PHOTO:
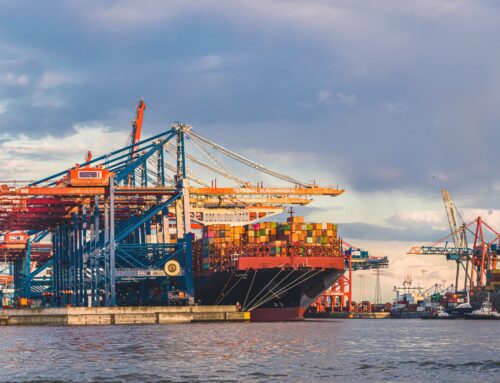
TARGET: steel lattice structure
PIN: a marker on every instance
(84, 230)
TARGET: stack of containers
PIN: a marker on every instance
(220, 241)
(493, 279)
(216, 243)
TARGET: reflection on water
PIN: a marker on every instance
(342, 350)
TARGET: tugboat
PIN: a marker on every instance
(487, 311)
(439, 313)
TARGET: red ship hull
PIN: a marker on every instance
(286, 314)
(269, 292)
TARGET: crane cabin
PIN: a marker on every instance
(89, 176)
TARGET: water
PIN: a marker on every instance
(333, 351)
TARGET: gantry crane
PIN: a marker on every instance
(105, 229)
(475, 261)
(340, 293)
(458, 233)
(244, 202)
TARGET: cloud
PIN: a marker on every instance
(51, 80)
(24, 157)
(326, 97)
(411, 218)
(209, 62)
(122, 16)
(3, 106)
(11, 79)
(436, 269)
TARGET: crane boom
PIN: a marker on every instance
(135, 137)
(268, 191)
(452, 215)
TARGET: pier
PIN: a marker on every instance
(69, 316)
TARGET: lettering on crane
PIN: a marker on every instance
(265, 190)
(89, 174)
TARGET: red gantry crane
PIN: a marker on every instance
(475, 261)
(339, 296)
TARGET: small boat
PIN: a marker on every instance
(439, 313)
(487, 311)
(460, 310)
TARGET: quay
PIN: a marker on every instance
(69, 316)
(354, 315)
(377, 315)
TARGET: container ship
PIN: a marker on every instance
(274, 270)
(411, 302)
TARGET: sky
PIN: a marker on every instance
(390, 100)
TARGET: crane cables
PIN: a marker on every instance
(191, 174)
(171, 149)
(221, 168)
(246, 161)
(214, 160)
(209, 167)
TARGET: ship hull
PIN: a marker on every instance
(405, 314)
(481, 317)
(460, 312)
(271, 294)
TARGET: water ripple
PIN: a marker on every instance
(313, 351)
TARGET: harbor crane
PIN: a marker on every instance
(340, 293)
(458, 232)
(473, 261)
(109, 218)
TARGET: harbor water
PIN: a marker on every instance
(319, 350)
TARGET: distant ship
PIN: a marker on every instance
(408, 301)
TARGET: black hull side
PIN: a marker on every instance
(404, 314)
(460, 313)
(272, 294)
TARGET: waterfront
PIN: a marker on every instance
(329, 350)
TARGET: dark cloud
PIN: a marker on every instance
(394, 97)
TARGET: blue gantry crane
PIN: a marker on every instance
(102, 231)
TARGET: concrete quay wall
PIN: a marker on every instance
(121, 315)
